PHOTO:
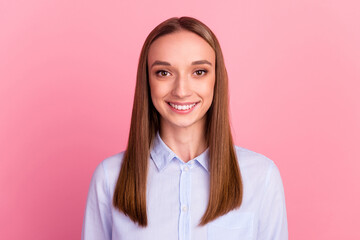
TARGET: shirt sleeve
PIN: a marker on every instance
(272, 217)
(97, 223)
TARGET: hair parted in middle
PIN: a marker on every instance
(226, 189)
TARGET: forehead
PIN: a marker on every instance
(180, 47)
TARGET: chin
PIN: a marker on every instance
(185, 124)
(182, 125)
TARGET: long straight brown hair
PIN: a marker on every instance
(226, 188)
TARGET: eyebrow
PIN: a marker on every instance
(201, 62)
(163, 63)
(157, 62)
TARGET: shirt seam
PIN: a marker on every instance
(267, 183)
(106, 182)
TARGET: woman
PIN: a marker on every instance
(181, 177)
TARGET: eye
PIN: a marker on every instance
(200, 72)
(162, 73)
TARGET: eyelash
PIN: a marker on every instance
(158, 73)
(203, 72)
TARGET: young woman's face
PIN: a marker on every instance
(181, 68)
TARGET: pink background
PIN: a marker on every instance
(67, 75)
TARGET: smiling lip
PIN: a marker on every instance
(185, 107)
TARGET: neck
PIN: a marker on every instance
(186, 143)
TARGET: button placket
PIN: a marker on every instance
(185, 191)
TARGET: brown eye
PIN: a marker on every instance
(162, 73)
(200, 72)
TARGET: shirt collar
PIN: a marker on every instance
(162, 155)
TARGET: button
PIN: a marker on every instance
(184, 208)
(186, 168)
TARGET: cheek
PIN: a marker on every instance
(207, 90)
(157, 93)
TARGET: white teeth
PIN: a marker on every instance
(182, 107)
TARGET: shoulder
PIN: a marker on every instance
(263, 193)
(112, 165)
(248, 158)
(107, 171)
(255, 167)
(113, 161)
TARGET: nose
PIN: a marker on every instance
(182, 87)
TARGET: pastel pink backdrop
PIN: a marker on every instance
(67, 75)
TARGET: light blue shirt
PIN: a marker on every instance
(177, 197)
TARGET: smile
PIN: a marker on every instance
(182, 107)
